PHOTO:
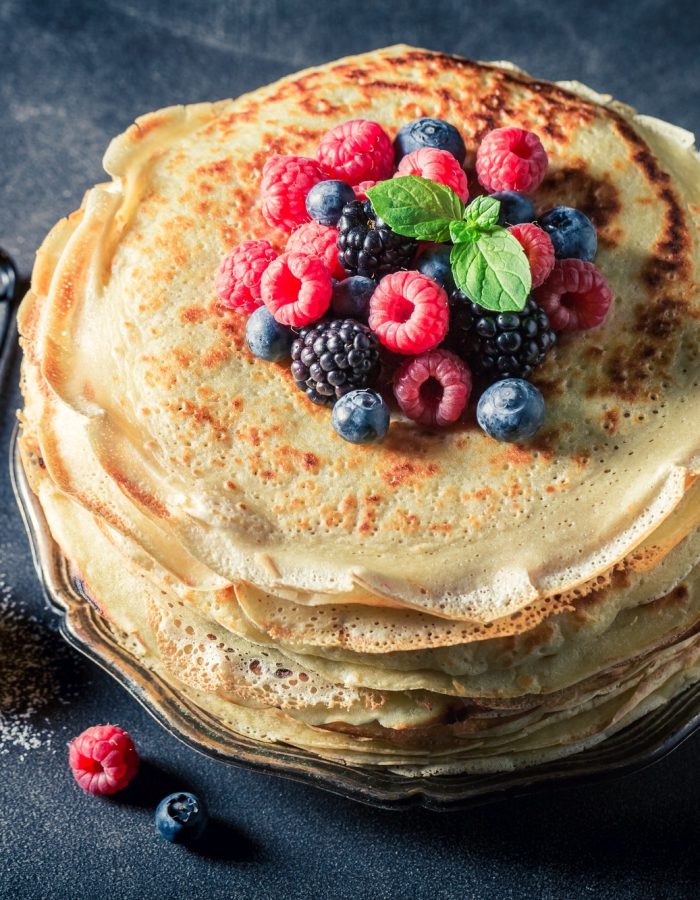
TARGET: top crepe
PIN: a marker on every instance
(222, 451)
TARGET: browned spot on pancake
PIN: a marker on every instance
(237, 403)
(136, 492)
(203, 415)
(373, 498)
(404, 522)
(310, 462)
(634, 368)
(217, 354)
(670, 260)
(405, 473)
(518, 456)
(183, 357)
(440, 527)
(611, 419)
(221, 170)
(147, 124)
(318, 106)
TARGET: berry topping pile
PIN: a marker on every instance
(103, 759)
(389, 268)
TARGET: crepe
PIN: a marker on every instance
(438, 602)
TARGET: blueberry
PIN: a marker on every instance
(572, 233)
(429, 132)
(351, 297)
(325, 201)
(361, 417)
(510, 410)
(266, 338)
(181, 818)
(516, 208)
(8, 276)
(435, 263)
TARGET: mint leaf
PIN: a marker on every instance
(460, 232)
(493, 271)
(416, 207)
(483, 212)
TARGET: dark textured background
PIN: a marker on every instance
(73, 74)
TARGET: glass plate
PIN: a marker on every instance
(642, 743)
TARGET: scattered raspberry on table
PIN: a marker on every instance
(103, 759)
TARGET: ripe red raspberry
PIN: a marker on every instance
(318, 240)
(409, 312)
(433, 388)
(238, 279)
(286, 181)
(103, 759)
(437, 165)
(297, 288)
(356, 151)
(576, 295)
(511, 159)
(362, 188)
(538, 248)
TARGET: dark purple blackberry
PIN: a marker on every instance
(330, 359)
(366, 244)
(499, 345)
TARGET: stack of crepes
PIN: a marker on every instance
(439, 602)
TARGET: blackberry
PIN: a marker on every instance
(329, 359)
(499, 345)
(366, 244)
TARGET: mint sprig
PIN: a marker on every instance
(488, 264)
(416, 207)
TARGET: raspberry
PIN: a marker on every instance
(103, 759)
(538, 248)
(357, 151)
(286, 181)
(433, 388)
(297, 288)
(576, 295)
(238, 279)
(362, 188)
(437, 165)
(511, 159)
(318, 240)
(409, 312)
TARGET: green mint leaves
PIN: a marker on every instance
(488, 264)
(416, 207)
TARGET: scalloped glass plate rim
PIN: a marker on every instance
(639, 745)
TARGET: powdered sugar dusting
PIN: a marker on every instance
(31, 662)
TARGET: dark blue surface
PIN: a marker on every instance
(72, 74)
